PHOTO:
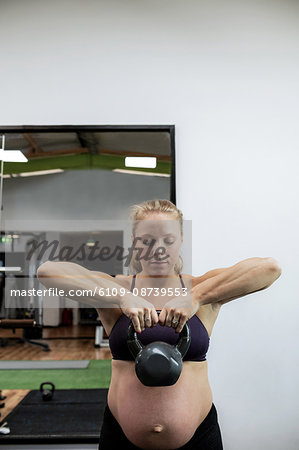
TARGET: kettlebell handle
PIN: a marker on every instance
(41, 388)
(135, 346)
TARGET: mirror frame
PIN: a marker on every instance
(10, 129)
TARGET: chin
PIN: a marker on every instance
(159, 268)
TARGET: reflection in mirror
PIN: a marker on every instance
(78, 182)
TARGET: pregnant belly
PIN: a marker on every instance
(159, 417)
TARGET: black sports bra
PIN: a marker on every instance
(199, 336)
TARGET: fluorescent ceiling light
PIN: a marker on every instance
(40, 172)
(12, 156)
(90, 244)
(141, 161)
(10, 269)
(139, 172)
(31, 174)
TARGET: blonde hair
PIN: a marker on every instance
(140, 211)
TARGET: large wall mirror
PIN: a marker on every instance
(77, 183)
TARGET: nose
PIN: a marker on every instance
(158, 250)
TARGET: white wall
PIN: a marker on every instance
(226, 74)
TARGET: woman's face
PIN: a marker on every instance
(160, 242)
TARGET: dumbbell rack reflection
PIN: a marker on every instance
(14, 156)
(100, 341)
(8, 156)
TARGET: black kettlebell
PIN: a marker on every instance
(158, 363)
(47, 394)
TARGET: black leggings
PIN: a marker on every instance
(206, 437)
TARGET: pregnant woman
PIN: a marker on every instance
(183, 415)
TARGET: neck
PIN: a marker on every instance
(148, 280)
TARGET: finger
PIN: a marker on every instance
(169, 318)
(176, 319)
(183, 320)
(141, 319)
(147, 318)
(136, 323)
(162, 317)
(179, 327)
(155, 318)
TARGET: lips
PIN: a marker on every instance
(164, 262)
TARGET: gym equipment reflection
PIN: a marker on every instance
(75, 177)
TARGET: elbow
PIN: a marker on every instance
(45, 269)
(276, 267)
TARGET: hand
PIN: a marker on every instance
(178, 309)
(142, 313)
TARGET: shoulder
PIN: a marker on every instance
(190, 280)
(186, 275)
(194, 281)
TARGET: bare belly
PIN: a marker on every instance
(163, 417)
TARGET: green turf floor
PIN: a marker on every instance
(97, 375)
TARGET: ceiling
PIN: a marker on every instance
(74, 149)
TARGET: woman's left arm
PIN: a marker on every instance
(245, 277)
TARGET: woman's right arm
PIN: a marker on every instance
(101, 291)
(78, 283)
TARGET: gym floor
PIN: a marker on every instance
(80, 345)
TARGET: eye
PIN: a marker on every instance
(146, 241)
(169, 242)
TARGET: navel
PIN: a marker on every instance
(157, 428)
